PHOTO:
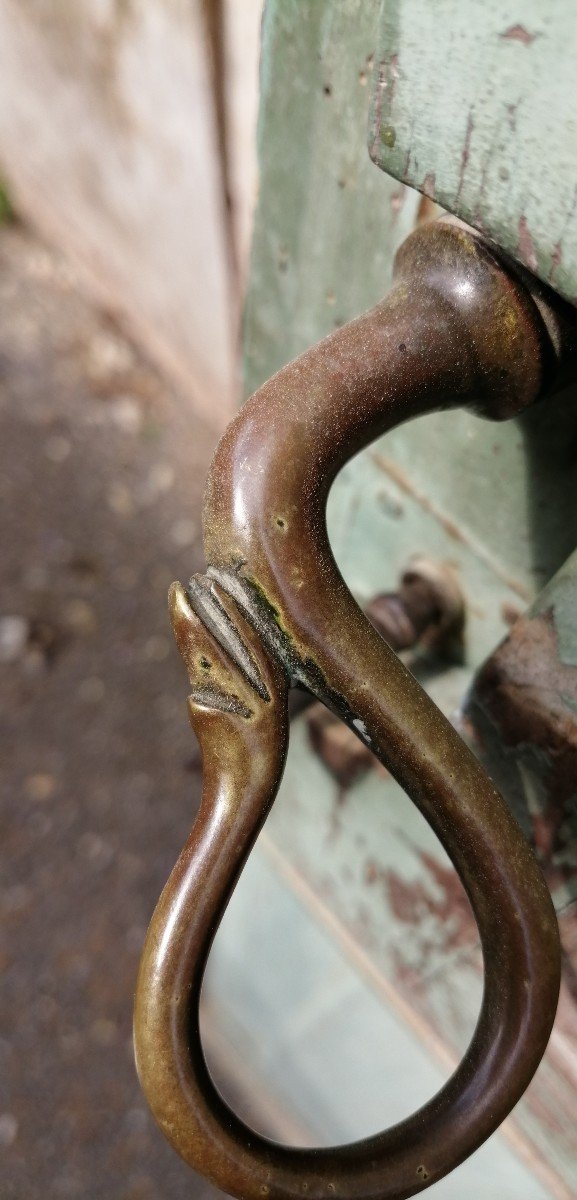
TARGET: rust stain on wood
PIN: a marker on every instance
(518, 33)
(439, 893)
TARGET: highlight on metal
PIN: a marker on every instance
(460, 326)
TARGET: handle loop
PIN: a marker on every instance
(272, 611)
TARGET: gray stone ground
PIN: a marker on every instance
(101, 474)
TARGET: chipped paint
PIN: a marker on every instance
(436, 893)
(502, 158)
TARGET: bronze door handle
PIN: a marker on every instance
(459, 327)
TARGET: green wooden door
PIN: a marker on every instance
(497, 503)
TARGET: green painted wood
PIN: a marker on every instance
(474, 105)
(327, 227)
(497, 501)
(327, 223)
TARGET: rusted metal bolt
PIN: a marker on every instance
(427, 608)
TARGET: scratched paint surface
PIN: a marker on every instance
(474, 105)
(497, 501)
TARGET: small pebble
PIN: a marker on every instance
(108, 355)
(13, 637)
(80, 616)
(8, 1129)
(57, 448)
(40, 786)
(126, 414)
(120, 500)
(93, 848)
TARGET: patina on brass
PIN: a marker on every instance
(427, 610)
(459, 327)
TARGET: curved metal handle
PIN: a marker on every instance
(273, 610)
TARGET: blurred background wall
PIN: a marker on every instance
(127, 138)
(128, 179)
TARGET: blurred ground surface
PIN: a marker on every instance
(101, 475)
